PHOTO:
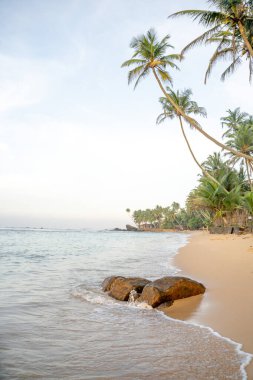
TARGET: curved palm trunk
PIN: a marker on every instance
(194, 124)
(208, 175)
(245, 39)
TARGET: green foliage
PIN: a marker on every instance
(228, 201)
(150, 54)
(171, 217)
(230, 28)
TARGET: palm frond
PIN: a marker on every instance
(201, 39)
(130, 62)
(217, 56)
(204, 17)
(231, 68)
(135, 73)
(164, 75)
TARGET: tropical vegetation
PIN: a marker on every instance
(223, 196)
(224, 202)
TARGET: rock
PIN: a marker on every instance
(169, 289)
(131, 228)
(121, 287)
(107, 283)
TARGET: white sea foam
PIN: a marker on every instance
(93, 296)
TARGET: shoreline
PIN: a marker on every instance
(224, 264)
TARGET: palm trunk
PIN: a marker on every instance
(248, 174)
(208, 175)
(194, 123)
(245, 39)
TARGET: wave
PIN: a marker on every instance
(96, 296)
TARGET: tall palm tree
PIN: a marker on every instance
(150, 56)
(235, 16)
(182, 99)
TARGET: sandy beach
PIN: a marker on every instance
(224, 264)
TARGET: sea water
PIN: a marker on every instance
(56, 323)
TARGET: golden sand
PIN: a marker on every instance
(224, 264)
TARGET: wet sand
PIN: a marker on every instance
(224, 264)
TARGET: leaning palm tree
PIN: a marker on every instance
(235, 16)
(150, 56)
(182, 99)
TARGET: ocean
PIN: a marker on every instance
(56, 323)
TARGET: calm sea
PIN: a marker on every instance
(55, 323)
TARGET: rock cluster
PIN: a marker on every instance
(155, 293)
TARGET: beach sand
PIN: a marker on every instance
(224, 264)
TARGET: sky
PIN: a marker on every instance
(77, 144)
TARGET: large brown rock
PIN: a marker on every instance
(121, 287)
(107, 283)
(169, 289)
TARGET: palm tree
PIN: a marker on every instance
(234, 119)
(235, 16)
(241, 138)
(214, 163)
(212, 198)
(228, 47)
(182, 99)
(150, 56)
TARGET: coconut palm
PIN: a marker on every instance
(212, 198)
(248, 202)
(214, 163)
(241, 138)
(150, 56)
(233, 120)
(235, 16)
(182, 99)
(228, 48)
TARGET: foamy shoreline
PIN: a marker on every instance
(224, 264)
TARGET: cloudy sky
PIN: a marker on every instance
(77, 145)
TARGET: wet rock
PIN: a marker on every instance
(107, 283)
(121, 287)
(168, 289)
